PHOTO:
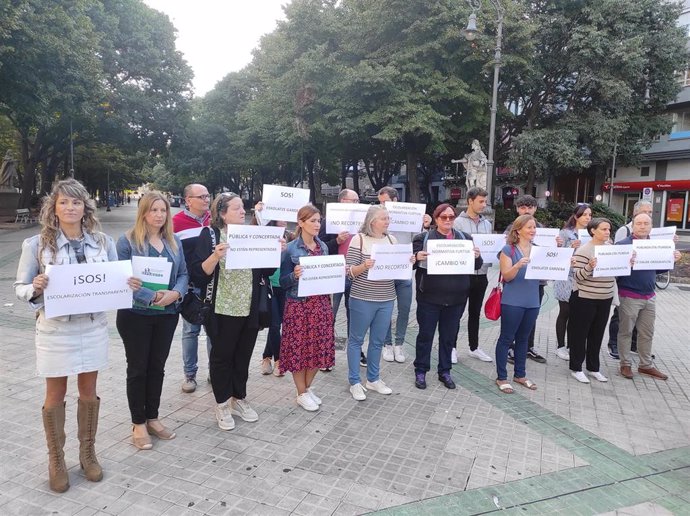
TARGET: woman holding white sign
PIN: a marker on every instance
(441, 300)
(71, 344)
(579, 219)
(371, 303)
(519, 303)
(147, 328)
(307, 344)
(234, 322)
(590, 304)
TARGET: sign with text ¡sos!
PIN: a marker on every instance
(283, 202)
(84, 288)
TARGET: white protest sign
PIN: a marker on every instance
(321, 275)
(283, 202)
(345, 216)
(450, 257)
(253, 247)
(391, 262)
(154, 274)
(549, 263)
(489, 245)
(653, 254)
(545, 237)
(405, 217)
(87, 288)
(666, 233)
(583, 236)
(612, 260)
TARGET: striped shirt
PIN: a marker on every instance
(587, 286)
(362, 287)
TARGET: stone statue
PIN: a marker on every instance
(8, 172)
(475, 165)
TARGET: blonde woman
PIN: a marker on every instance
(68, 345)
(147, 328)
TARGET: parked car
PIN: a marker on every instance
(176, 201)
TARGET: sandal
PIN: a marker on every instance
(505, 388)
(526, 383)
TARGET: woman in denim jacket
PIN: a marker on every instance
(147, 328)
(308, 343)
(72, 344)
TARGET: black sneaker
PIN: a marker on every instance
(533, 355)
(420, 380)
(362, 359)
(511, 357)
(447, 380)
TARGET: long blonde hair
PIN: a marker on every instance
(138, 234)
(50, 225)
(513, 237)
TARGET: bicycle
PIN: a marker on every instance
(663, 280)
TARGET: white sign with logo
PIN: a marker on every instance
(154, 274)
(666, 233)
(345, 216)
(647, 194)
(283, 202)
(653, 255)
(489, 245)
(406, 217)
(391, 262)
(450, 257)
(546, 237)
(321, 275)
(612, 260)
(549, 263)
(83, 288)
(253, 247)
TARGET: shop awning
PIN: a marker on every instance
(681, 184)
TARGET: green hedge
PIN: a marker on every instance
(557, 213)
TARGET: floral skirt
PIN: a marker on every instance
(307, 341)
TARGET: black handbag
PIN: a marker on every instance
(265, 303)
(194, 309)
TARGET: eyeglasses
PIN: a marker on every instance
(204, 197)
(446, 217)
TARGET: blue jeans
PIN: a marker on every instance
(272, 349)
(447, 318)
(190, 347)
(403, 291)
(516, 325)
(372, 316)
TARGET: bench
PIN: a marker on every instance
(23, 216)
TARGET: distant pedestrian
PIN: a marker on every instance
(72, 344)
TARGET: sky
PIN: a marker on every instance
(218, 36)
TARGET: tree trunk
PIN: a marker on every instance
(412, 183)
(530, 181)
(29, 165)
(343, 174)
(310, 161)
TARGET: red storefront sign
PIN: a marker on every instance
(683, 184)
(674, 210)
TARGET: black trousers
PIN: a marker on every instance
(147, 340)
(562, 322)
(232, 344)
(475, 300)
(586, 326)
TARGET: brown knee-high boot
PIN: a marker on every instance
(87, 420)
(54, 426)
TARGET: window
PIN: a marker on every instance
(684, 77)
(644, 172)
(681, 122)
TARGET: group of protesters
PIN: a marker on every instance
(301, 336)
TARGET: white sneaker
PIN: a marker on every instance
(313, 395)
(224, 416)
(388, 354)
(266, 366)
(357, 391)
(598, 376)
(563, 353)
(454, 356)
(479, 355)
(305, 401)
(379, 387)
(579, 376)
(398, 354)
(242, 409)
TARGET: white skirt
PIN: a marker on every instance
(71, 345)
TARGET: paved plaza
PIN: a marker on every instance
(566, 448)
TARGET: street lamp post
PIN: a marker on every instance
(470, 34)
(107, 197)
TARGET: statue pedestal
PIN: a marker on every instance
(9, 200)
